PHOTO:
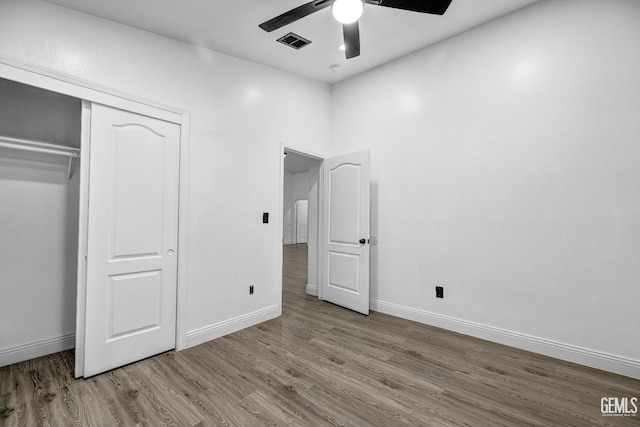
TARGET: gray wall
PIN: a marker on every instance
(32, 113)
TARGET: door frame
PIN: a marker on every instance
(284, 147)
(85, 90)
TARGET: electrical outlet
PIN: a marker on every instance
(250, 289)
(439, 292)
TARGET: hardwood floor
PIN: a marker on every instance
(319, 364)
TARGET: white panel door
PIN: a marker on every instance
(345, 229)
(132, 239)
(302, 221)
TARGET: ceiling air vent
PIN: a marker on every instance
(294, 40)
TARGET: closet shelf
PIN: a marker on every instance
(41, 147)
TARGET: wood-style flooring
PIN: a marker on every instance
(317, 365)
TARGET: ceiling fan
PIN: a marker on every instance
(347, 12)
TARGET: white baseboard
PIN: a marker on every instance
(20, 353)
(583, 356)
(312, 289)
(217, 330)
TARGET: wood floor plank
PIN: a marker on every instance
(319, 365)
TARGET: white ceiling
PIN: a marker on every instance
(297, 163)
(231, 27)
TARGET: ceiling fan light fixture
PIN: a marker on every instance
(347, 11)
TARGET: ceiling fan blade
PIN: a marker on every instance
(436, 7)
(294, 14)
(351, 39)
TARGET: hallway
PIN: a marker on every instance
(294, 271)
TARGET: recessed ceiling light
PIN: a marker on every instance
(342, 47)
(335, 67)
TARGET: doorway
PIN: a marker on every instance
(338, 194)
(300, 227)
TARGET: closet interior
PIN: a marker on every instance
(40, 133)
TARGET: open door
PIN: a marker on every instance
(345, 231)
(131, 267)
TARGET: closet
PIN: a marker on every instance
(39, 202)
(89, 199)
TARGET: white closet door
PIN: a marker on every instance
(132, 239)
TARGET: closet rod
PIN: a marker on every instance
(38, 147)
(41, 147)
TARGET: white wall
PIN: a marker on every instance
(506, 168)
(237, 112)
(287, 203)
(296, 187)
(301, 186)
(38, 223)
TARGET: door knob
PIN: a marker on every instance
(171, 252)
(363, 241)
